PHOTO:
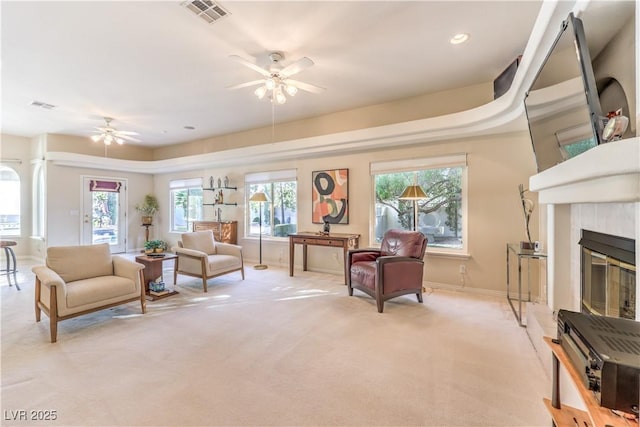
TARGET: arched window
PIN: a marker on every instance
(10, 206)
(38, 201)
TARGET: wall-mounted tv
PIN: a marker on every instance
(562, 105)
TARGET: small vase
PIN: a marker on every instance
(159, 250)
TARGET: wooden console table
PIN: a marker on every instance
(153, 270)
(305, 238)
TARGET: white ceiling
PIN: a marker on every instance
(155, 67)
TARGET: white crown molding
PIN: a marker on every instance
(504, 115)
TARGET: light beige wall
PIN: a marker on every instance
(64, 203)
(418, 107)
(497, 165)
(618, 60)
(15, 152)
(84, 145)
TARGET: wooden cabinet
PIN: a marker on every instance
(223, 231)
(567, 416)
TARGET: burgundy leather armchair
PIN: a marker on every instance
(393, 270)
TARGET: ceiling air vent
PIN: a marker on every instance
(206, 9)
(42, 105)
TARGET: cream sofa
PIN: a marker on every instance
(81, 279)
(199, 255)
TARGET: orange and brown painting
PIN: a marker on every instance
(330, 196)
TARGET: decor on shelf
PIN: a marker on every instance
(157, 285)
(615, 127)
(260, 198)
(211, 182)
(148, 208)
(226, 182)
(527, 208)
(330, 196)
(414, 192)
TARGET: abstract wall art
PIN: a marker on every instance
(330, 196)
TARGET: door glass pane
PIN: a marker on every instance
(104, 220)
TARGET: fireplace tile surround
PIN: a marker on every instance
(598, 190)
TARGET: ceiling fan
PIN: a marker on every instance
(109, 134)
(277, 81)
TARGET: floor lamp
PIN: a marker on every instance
(414, 192)
(260, 197)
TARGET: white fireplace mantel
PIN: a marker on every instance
(606, 173)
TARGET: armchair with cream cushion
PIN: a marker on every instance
(199, 255)
(81, 279)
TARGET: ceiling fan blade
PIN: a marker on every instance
(305, 86)
(125, 132)
(296, 67)
(128, 138)
(251, 65)
(247, 84)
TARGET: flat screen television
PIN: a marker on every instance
(562, 105)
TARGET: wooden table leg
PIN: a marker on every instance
(291, 255)
(304, 257)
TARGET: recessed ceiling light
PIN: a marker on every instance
(459, 38)
(189, 127)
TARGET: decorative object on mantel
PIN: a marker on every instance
(615, 127)
(211, 182)
(527, 208)
(414, 192)
(226, 182)
(148, 208)
(219, 183)
(330, 196)
(326, 229)
(259, 197)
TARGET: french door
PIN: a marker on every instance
(104, 212)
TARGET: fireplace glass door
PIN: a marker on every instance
(608, 286)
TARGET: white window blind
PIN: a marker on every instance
(451, 160)
(271, 176)
(186, 183)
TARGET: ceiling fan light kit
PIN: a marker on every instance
(110, 134)
(276, 80)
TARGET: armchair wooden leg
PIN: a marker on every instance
(204, 274)
(175, 271)
(242, 271)
(53, 314)
(380, 305)
(419, 295)
(38, 289)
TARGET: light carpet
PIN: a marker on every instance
(274, 351)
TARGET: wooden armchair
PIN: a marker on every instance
(199, 255)
(393, 270)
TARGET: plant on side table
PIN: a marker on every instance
(148, 208)
(155, 246)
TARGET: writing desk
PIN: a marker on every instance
(306, 238)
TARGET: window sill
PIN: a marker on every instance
(451, 255)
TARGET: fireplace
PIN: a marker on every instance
(608, 279)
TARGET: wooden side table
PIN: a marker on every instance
(305, 238)
(153, 270)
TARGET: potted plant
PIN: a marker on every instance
(148, 208)
(155, 246)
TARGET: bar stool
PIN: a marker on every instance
(10, 255)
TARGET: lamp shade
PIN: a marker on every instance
(413, 192)
(259, 197)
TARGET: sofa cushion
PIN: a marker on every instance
(364, 274)
(218, 264)
(98, 289)
(403, 243)
(202, 241)
(80, 262)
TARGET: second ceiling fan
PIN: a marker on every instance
(277, 81)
